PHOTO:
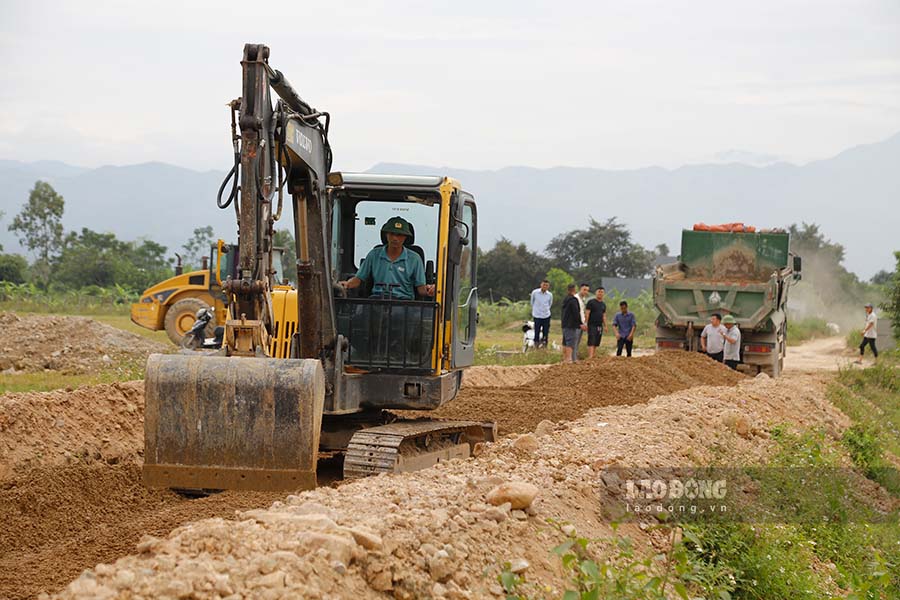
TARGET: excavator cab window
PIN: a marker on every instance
(386, 332)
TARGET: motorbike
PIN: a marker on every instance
(196, 339)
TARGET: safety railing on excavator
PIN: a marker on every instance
(387, 333)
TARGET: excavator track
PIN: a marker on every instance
(412, 445)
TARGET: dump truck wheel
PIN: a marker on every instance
(181, 316)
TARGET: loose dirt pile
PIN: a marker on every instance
(102, 423)
(567, 391)
(495, 376)
(441, 532)
(71, 345)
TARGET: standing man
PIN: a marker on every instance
(541, 301)
(583, 292)
(732, 352)
(571, 325)
(624, 324)
(870, 333)
(712, 340)
(595, 311)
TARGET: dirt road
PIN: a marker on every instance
(825, 354)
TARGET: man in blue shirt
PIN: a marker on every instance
(396, 271)
(625, 324)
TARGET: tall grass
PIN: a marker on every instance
(89, 300)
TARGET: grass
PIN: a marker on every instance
(810, 328)
(45, 381)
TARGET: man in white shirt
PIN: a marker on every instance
(870, 333)
(712, 339)
(541, 301)
(732, 352)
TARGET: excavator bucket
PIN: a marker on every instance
(216, 423)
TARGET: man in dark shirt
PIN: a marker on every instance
(595, 311)
(625, 325)
(571, 324)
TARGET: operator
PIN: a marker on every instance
(395, 270)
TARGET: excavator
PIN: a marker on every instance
(321, 377)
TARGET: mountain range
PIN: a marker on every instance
(854, 197)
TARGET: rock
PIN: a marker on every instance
(339, 567)
(762, 375)
(526, 443)
(568, 529)
(495, 514)
(365, 538)
(518, 565)
(544, 427)
(519, 514)
(336, 547)
(439, 590)
(738, 423)
(440, 566)
(519, 494)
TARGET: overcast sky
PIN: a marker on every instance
(467, 84)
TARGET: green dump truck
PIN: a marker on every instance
(744, 274)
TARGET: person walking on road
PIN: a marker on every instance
(541, 301)
(732, 351)
(595, 311)
(584, 291)
(624, 324)
(712, 340)
(870, 333)
(571, 325)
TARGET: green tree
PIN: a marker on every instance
(509, 271)
(284, 239)
(13, 268)
(891, 306)
(602, 250)
(39, 228)
(198, 246)
(824, 272)
(559, 283)
(101, 259)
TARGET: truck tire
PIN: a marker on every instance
(181, 316)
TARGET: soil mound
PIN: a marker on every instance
(71, 345)
(567, 391)
(59, 520)
(494, 376)
(101, 423)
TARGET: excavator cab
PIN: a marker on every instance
(321, 369)
(385, 333)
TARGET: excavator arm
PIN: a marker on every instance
(281, 147)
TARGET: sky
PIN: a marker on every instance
(478, 85)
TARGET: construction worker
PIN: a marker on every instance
(541, 301)
(624, 324)
(732, 351)
(572, 325)
(395, 270)
(712, 339)
(869, 333)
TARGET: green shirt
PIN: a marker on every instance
(401, 276)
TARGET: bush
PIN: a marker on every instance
(502, 313)
(13, 268)
(799, 330)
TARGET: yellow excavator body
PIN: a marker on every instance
(319, 369)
